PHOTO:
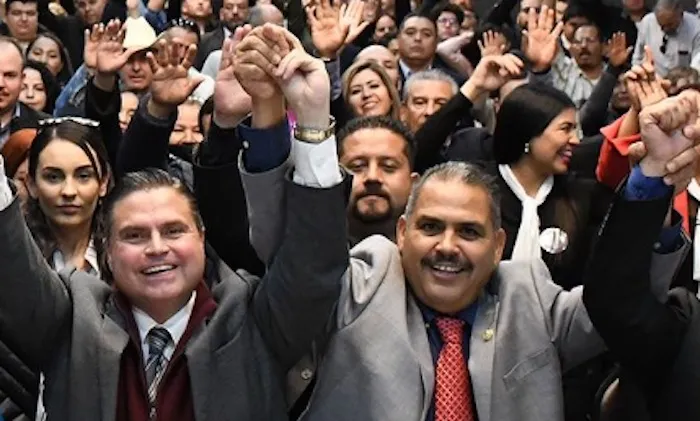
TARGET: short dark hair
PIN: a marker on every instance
(446, 6)
(206, 109)
(9, 2)
(148, 179)
(524, 115)
(417, 15)
(378, 122)
(469, 174)
(577, 10)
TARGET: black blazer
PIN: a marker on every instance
(210, 42)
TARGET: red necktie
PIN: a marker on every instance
(453, 395)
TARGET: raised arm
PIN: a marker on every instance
(34, 300)
(147, 138)
(298, 294)
(643, 332)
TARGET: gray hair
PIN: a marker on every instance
(470, 175)
(668, 5)
(432, 74)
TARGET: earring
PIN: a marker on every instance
(527, 148)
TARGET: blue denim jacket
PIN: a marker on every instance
(71, 101)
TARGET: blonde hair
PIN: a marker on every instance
(352, 71)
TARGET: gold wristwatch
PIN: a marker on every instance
(313, 135)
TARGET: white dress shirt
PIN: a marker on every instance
(316, 165)
(175, 325)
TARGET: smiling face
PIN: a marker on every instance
(367, 95)
(449, 246)
(551, 152)
(155, 250)
(66, 185)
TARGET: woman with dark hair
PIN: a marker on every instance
(47, 48)
(39, 87)
(67, 177)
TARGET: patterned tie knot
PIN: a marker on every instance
(450, 329)
(157, 338)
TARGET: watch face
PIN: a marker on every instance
(554, 240)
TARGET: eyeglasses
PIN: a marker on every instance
(448, 21)
(86, 122)
(664, 42)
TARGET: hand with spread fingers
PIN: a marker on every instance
(351, 17)
(171, 85)
(541, 39)
(491, 73)
(328, 30)
(670, 131)
(491, 45)
(92, 45)
(111, 55)
(617, 51)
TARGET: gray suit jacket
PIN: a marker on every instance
(377, 364)
(68, 326)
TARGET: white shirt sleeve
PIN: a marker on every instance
(5, 191)
(316, 165)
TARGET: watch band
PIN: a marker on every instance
(312, 135)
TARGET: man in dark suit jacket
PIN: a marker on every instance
(231, 14)
(654, 336)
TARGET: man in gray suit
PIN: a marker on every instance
(174, 337)
(437, 322)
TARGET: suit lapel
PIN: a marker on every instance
(481, 352)
(112, 344)
(421, 347)
(198, 353)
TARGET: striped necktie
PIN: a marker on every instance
(158, 338)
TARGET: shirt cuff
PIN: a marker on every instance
(265, 149)
(5, 190)
(640, 187)
(316, 164)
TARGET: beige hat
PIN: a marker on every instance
(139, 34)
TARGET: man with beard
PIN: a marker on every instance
(578, 76)
(233, 13)
(377, 151)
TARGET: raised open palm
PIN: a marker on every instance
(171, 84)
(111, 55)
(541, 39)
(328, 31)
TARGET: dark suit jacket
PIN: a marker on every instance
(657, 342)
(210, 42)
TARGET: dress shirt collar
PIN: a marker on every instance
(175, 325)
(90, 257)
(5, 130)
(467, 315)
(407, 72)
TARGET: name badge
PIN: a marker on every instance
(554, 240)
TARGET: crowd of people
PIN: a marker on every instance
(379, 210)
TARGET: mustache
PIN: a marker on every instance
(440, 258)
(373, 189)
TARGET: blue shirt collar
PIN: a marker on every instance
(467, 315)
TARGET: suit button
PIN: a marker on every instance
(306, 374)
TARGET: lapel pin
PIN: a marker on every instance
(487, 335)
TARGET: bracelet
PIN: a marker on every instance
(313, 135)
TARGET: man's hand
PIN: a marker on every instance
(328, 31)
(541, 39)
(92, 44)
(171, 85)
(644, 86)
(617, 50)
(670, 131)
(490, 74)
(231, 102)
(303, 80)
(491, 45)
(111, 55)
(351, 17)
